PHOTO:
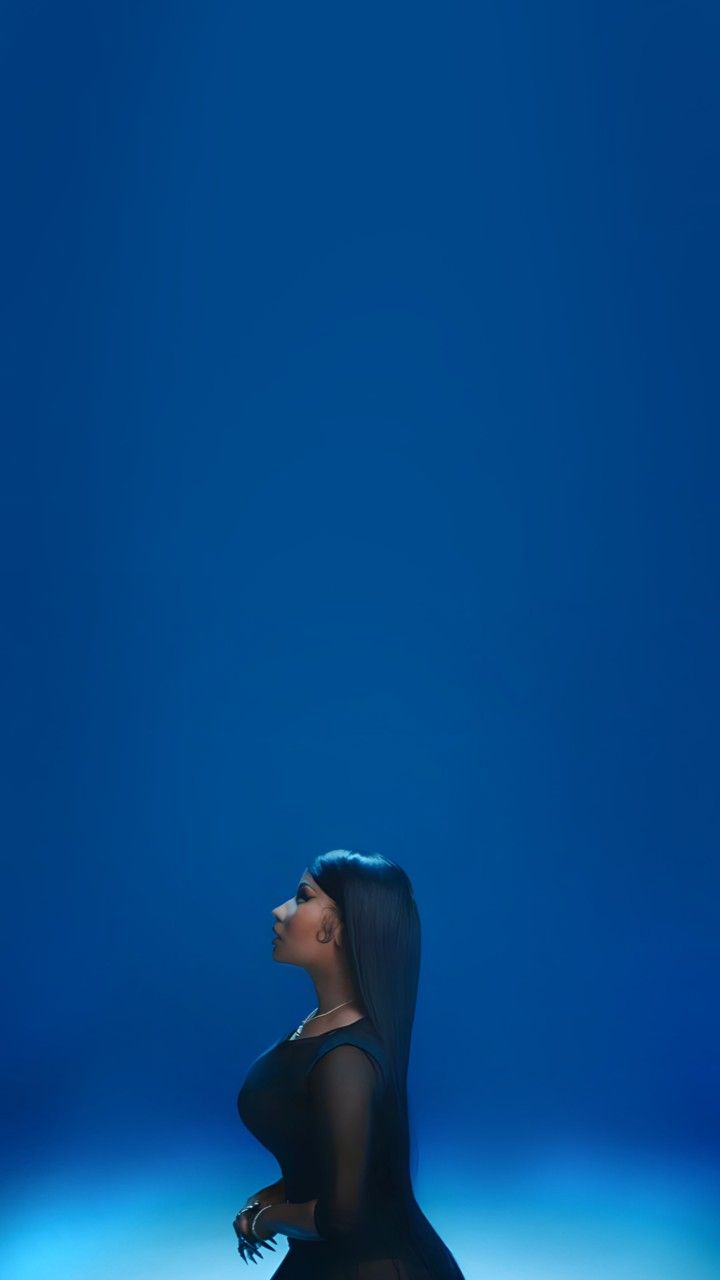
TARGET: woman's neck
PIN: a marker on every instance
(332, 991)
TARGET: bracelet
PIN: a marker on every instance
(257, 1215)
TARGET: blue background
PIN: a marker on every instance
(359, 368)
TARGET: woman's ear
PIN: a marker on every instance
(336, 928)
(330, 927)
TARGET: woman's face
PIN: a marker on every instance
(307, 930)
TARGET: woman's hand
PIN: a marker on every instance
(248, 1246)
(247, 1243)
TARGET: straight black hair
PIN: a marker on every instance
(381, 925)
(377, 908)
(376, 904)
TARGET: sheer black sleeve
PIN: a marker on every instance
(345, 1086)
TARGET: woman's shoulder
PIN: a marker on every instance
(361, 1036)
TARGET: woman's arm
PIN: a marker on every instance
(296, 1220)
(271, 1194)
(343, 1087)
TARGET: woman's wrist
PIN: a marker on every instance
(294, 1219)
(264, 1229)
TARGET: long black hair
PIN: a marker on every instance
(381, 928)
(374, 899)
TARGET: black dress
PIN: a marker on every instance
(324, 1116)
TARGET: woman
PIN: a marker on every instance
(330, 1100)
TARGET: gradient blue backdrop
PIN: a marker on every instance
(359, 372)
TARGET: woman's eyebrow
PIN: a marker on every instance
(305, 883)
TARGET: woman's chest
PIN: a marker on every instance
(273, 1103)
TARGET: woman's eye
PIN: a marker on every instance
(301, 898)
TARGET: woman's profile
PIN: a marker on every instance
(329, 1098)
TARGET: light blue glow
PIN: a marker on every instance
(555, 1214)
